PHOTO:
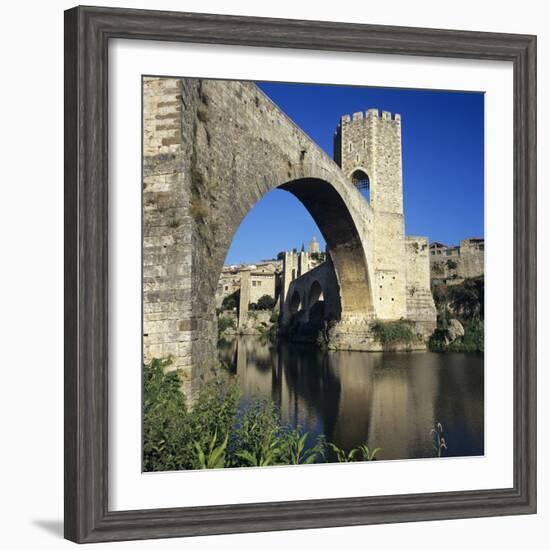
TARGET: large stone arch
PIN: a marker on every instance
(212, 149)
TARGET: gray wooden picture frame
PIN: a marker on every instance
(87, 34)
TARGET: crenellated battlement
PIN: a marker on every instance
(369, 113)
(367, 146)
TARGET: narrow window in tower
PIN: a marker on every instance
(364, 143)
(361, 181)
(350, 146)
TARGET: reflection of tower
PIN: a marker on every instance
(313, 246)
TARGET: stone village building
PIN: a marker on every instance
(453, 264)
(264, 278)
(266, 275)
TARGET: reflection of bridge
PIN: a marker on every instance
(386, 401)
(212, 149)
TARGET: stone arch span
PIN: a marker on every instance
(315, 293)
(211, 150)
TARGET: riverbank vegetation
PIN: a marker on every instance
(265, 302)
(221, 432)
(225, 324)
(465, 303)
(392, 333)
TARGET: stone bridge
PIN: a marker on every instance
(212, 149)
(312, 299)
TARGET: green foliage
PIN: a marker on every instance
(394, 332)
(443, 318)
(281, 255)
(473, 339)
(215, 409)
(341, 455)
(268, 332)
(255, 439)
(440, 294)
(367, 453)
(265, 302)
(225, 323)
(213, 434)
(353, 455)
(451, 264)
(165, 425)
(294, 448)
(171, 432)
(261, 439)
(214, 457)
(437, 340)
(464, 301)
(231, 301)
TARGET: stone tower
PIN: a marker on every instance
(313, 246)
(367, 147)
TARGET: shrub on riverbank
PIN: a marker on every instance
(392, 333)
(171, 432)
(214, 433)
(464, 302)
(472, 341)
(224, 323)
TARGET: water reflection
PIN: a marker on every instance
(389, 400)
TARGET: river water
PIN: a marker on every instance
(387, 400)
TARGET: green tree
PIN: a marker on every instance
(466, 299)
(265, 302)
(231, 301)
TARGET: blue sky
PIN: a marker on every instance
(443, 171)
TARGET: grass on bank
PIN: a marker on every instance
(392, 333)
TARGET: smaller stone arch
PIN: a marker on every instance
(316, 305)
(315, 294)
(295, 302)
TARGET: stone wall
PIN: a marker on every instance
(420, 305)
(469, 258)
(168, 229)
